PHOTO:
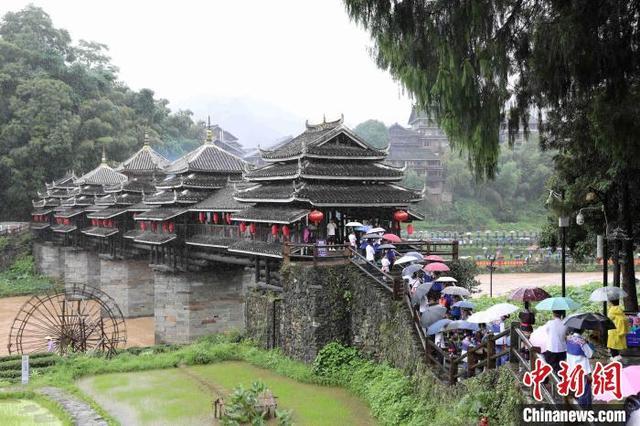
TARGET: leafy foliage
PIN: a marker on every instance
(61, 103)
(374, 132)
(465, 270)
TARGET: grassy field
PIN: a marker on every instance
(22, 412)
(185, 395)
(20, 279)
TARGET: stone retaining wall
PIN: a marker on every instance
(49, 260)
(81, 267)
(130, 283)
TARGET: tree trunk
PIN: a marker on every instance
(628, 270)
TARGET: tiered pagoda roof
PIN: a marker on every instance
(328, 166)
(146, 161)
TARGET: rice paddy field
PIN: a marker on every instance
(23, 412)
(185, 395)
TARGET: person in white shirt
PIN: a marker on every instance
(556, 341)
(331, 232)
(386, 264)
(578, 353)
(353, 240)
(370, 252)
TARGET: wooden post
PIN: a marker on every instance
(453, 371)
(397, 287)
(471, 362)
(315, 255)
(286, 253)
(491, 351)
(267, 272)
(514, 347)
(257, 267)
(455, 249)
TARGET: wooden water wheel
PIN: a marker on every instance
(79, 319)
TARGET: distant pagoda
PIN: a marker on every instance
(329, 170)
(189, 180)
(71, 215)
(115, 216)
(49, 199)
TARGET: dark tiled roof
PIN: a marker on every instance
(94, 208)
(283, 170)
(39, 225)
(193, 180)
(222, 200)
(186, 196)
(332, 170)
(65, 182)
(160, 214)
(63, 229)
(61, 193)
(282, 192)
(146, 160)
(139, 207)
(67, 213)
(132, 185)
(327, 139)
(107, 213)
(233, 147)
(125, 199)
(154, 238)
(47, 202)
(399, 153)
(259, 248)
(207, 158)
(78, 201)
(133, 234)
(101, 175)
(357, 195)
(271, 214)
(91, 190)
(208, 240)
(97, 231)
(42, 211)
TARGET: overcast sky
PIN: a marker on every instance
(301, 56)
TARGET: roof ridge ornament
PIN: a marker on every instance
(146, 139)
(104, 156)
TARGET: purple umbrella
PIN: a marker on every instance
(529, 294)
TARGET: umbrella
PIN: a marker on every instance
(419, 257)
(482, 317)
(539, 338)
(502, 309)
(529, 294)
(377, 230)
(457, 291)
(432, 314)
(371, 236)
(386, 246)
(438, 326)
(446, 280)
(434, 258)
(354, 224)
(436, 267)
(557, 304)
(461, 325)
(604, 294)
(629, 384)
(420, 292)
(409, 270)
(464, 304)
(391, 238)
(589, 321)
(406, 259)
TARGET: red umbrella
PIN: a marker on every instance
(529, 294)
(392, 238)
(436, 267)
(434, 258)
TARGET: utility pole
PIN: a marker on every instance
(564, 223)
(491, 268)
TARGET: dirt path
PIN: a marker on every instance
(504, 283)
(140, 331)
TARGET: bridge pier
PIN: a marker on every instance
(81, 267)
(130, 284)
(49, 260)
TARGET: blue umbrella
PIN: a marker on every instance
(409, 270)
(461, 325)
(418, 256)
(464, 304)
(438, 326)
(557, 304)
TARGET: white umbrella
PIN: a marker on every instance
(376, 230)
(409, 270)
(605, 294)
(354, 224)
(461, 325)
(405, 259)
(420, 292)
(482, 317)
(419, 257)
(457, 291)
(446, 280)
(502, 309)
(539, 338)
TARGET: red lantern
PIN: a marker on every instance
(252, 228)
(172, 227)
(201, 217)
(410, 229)
(216, 218)
(285, 231)
(274, 229)
(228, 215)
(67, 221)
(316, 216)
(401, 216)
(154, 226)
(143, 226)
(165, 227)
(243, 227)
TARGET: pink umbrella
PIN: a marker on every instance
(392, 238)
(434, 258)
(629, 384)
(436, 267)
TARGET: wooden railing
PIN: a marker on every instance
(316, 253)
(442, 248)
(387, 281)
(13, 228)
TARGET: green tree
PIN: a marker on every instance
(374, 132)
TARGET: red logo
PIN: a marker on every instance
(571, 380)
(607, 379)
(536, 377)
